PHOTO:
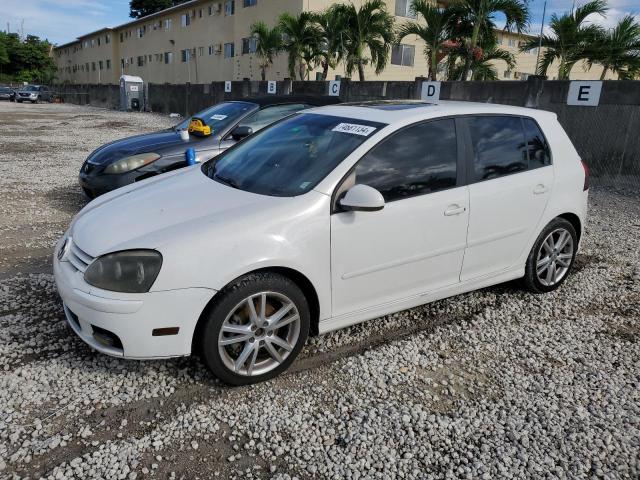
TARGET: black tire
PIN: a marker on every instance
(227, 301)
(531, 280)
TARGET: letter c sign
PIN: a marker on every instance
(334, 88)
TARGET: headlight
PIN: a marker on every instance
(132, 163)
(130, 271)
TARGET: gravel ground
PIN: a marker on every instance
(497, 383)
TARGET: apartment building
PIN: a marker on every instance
(207, 40)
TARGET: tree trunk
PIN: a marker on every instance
(361, 70)
(433, 65)
(325, 70)
(474, 43)
(604, 72)
(301, 70)
(263, 73)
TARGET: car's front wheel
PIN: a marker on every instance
(255, 328)
(551, 257)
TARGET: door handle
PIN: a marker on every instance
(540, 189)
(454, 210)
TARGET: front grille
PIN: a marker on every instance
(25, 94)
(78, 258)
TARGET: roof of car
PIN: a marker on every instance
(315, 100)
(393, 111)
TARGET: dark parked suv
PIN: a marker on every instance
(7, 93)
(34, 94)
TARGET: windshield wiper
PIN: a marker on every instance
(226, 180)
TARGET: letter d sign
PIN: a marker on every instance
(430, 92)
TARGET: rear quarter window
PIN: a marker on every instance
(537, 146)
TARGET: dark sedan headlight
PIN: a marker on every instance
(129, 271)
(133, 162)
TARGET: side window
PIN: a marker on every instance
(268, 115)
(417, 160)
(537, 147)
(498, 146)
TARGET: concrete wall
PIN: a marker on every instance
(605, 136)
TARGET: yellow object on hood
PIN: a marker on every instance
(199, 128)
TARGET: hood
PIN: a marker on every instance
(159, 210)
(147, 142)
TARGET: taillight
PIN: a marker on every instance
(586, 176)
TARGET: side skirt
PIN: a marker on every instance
(359, 316)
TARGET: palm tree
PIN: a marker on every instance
(269, 44)
(435, 33)
(483, 63)
(300, 36)
(480, 15)
(618, 49)
(571, 40)
(332, 24)
(368, 30)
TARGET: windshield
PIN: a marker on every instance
(30, 88)
(220, 116)
(291, 157)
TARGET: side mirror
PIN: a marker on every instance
(241, 132)
(362, 198)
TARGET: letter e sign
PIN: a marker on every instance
(584, 93)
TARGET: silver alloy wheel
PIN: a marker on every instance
(554, 257)
(259, 333)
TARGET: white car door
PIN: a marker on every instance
(416, 242)
(510, 184)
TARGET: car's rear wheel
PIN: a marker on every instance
(551, 257)
(255, 328)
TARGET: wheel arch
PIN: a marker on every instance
(296, 276)
(574, 220)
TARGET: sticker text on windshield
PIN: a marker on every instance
(354, 129)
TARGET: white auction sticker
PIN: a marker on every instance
(218, 117)
(354, 129)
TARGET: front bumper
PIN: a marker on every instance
(95, 185)
(120, 324)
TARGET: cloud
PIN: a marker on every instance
(61, 21)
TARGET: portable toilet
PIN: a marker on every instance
(131, 93)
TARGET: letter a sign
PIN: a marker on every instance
(584, 93)
(430, 92)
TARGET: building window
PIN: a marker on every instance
(512, 42)
(403, 9)
(211, 50)
(403, 55)
(93, 66)
(185, 55)
(141, 61)
(100, 64)
(229, 7)
(249, 45)
(200, 51)
(185, 20)
(108, 64)
(168, 57)
(93, 42)
(141, 31)
(249, 3)
(507, 74)
(228, 50)
(122, 63)
(167, 24)
(98, 41)
(107, 39)
(121, 37)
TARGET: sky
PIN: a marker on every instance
(61, 21)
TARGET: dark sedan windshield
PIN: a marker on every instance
(221, 115)
(292, 156)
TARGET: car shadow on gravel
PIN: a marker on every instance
(69, 199)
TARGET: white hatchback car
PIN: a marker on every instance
(330, 217)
